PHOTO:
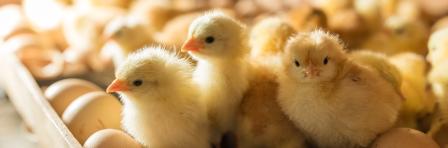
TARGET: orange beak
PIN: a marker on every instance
(192, 44)
(116, 86)
(312, 71)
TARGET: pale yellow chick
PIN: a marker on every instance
(335, 101)
(417, 102)
(161, 106)
(399, 35)
(129, 35)
(438, 78)
(154, 14)
(261, 122)
(269, 36)
(219, 44)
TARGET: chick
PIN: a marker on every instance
(129, 35)
(306, 18)
(261, 122)
(334, 100)
(269, 36)
(438, 78)
(152, 13)
(161, 106)
(219, 44)
(399, 35)
(417, 104)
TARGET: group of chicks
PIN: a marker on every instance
(283, 89)
(280, 82)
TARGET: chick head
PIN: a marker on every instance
(216, 36)
(408, 33)
(438, 46)
(313, 57)
(151, 72)
(127, 33)
(269, 36)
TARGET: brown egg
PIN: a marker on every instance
(63, 92)
(111, 138)
(92, 112)
(404, 138)
(176, 30)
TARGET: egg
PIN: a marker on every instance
(92, 112)
(404, 138)
(63, 92)
(111, 138)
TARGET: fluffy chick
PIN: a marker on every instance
(127, 35)
(399, 35)
(438, 78)
(219, 44)
(269, 36)
(335, 101)
(306, 18)
(412, 68)
(261, 122)
(161, 106)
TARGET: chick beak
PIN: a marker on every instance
(312, 71)
(192, 44)
(116, 86)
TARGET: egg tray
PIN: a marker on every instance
(28, 98)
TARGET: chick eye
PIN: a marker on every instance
(137, 82)
(209, 39)
(325, 60)
(296, 63)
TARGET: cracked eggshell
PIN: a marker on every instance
(92, 112)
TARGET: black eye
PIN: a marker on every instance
(297, 63)
(325, 60)
(137, 82)
(209, 39)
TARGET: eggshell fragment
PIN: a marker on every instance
(111, 138)
(404, 138)
(63, 92)
(92, 112)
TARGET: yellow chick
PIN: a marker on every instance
(129, 35)
(161, 105)
(335, 101)
(219, 44)
(438, 78)
(261, 122)
(399, 35)
(417, 103)
(152, 13)
(306, 18)
(268, 37)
